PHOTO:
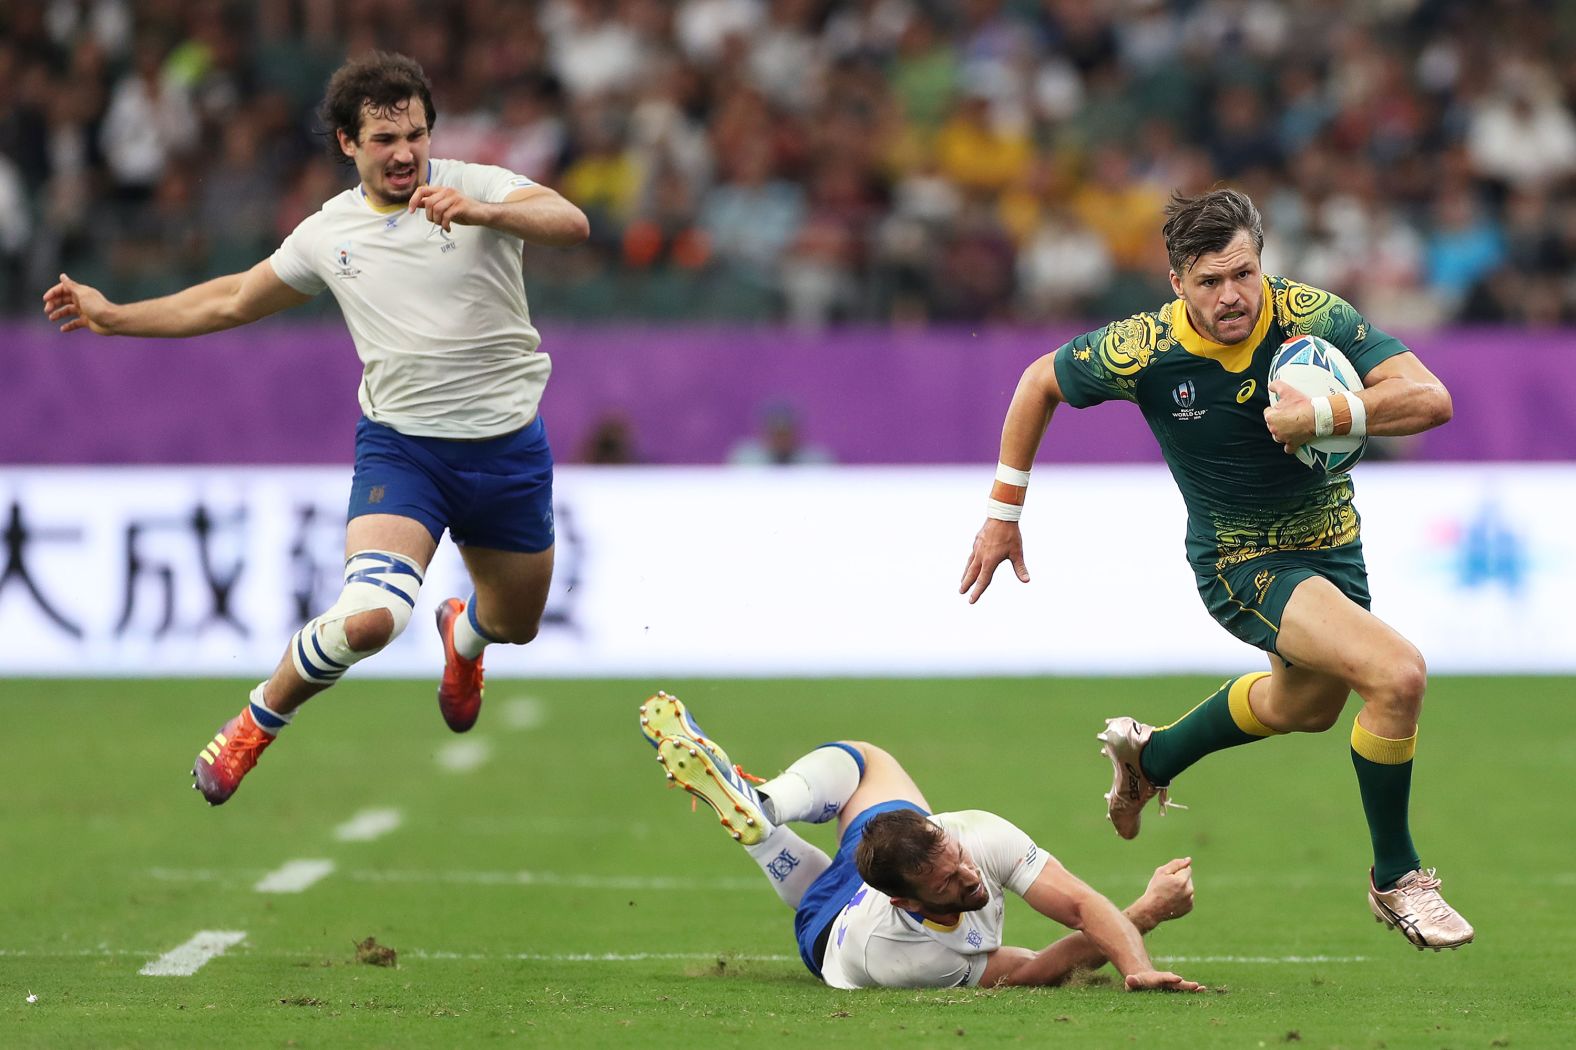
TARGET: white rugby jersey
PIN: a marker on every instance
(439, 319)
(876, 945)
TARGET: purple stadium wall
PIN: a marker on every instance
(285, 393)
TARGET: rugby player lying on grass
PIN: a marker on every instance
(912, 900)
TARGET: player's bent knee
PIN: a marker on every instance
(1320, 721)
(367, 632)
(376, 604)
(1401, 682)
(522, 634)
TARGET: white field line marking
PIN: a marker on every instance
(190, 957)
(527, 712)
(294, 877)
(462, 756)
(1297, 960)
(552, 878)
(368, 825)
(569, 957)
(594, 956)
(485, 878)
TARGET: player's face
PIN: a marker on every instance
(1224, 291)
(391, 154)
(953, 884)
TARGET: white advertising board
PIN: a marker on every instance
(759, 571)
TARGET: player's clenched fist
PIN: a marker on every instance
(1170, 891)
(446, 205)
(1290, 419)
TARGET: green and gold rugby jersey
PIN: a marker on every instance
(1205, 404)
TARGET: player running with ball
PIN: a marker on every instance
(912, 899)
(1274, 545)
(424, 257)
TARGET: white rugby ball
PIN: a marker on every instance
(1316, 368)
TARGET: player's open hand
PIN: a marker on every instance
(1170, 891)
(1290, 419)
(996, 542)
(78, 306)
(1161, 981)
(446, 205)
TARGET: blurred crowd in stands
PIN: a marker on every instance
(820, 161)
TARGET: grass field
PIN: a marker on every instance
(540, 887)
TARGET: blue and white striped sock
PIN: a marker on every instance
(267, 719)
(469, 638)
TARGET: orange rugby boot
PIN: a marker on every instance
(460, 692)
(228, 757)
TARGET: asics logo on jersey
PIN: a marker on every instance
(1245, 392)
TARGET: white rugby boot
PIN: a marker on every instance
(1415, 908)
(1122, 742)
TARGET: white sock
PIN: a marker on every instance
(469, 641)
(267, 719)
(789, 862)
(815, 788)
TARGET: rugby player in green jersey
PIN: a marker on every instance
(1274, 545)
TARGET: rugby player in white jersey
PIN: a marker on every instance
(424, 258)
(912, 899)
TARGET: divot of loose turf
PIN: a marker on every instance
(372, 953)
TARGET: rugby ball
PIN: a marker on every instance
(1317, 368)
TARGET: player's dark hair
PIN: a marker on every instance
(1207, 223)
(381, 83)
(898, 847)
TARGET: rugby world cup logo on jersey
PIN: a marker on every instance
(342, 256)
(1185, 394)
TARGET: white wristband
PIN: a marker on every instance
(1323, 418)
(995, 508)
(1012, 475)
(1359, 415)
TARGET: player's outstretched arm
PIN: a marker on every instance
(999, 539)
(534, 214)
(224, 302)
(1169, 895)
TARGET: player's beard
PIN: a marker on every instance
(1242, 324)
(399, 194)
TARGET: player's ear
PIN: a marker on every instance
(347, 145)
(1176, 284)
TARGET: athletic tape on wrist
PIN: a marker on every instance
(1359, 415)
(995, 508)
(1012, 475)
(1323, 418)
